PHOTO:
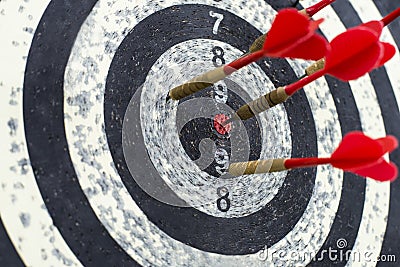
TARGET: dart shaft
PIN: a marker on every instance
(274, 165)
(392, 16)
(261, 104)
(198, 83)
(209, 78)
(317, 7)
(270, 99)
(294, 87)
(305, 162)
(243, 61)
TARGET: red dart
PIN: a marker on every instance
(356, 153)
(297, 41)
(353, 53)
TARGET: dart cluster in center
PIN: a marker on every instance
(348, 56)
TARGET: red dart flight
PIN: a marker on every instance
(359, 154)
(297, 41)
(354, 53)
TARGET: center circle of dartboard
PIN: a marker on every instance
(195, 131)
(187, 126)
(150, 223)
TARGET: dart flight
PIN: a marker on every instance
(309, 12)
(357, 153)
(297, 41)
(353, 54)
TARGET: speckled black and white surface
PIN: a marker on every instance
(97, 169)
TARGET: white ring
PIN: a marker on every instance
(23, 210)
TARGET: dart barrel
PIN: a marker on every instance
(258, 43)
(199, 83)
(262, 103)
(273, 98)
(257, 166)
(317, 66)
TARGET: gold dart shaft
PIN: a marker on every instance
(197, 84)
(316, 66)
(261, 104)
(270, 99)
(257, 166)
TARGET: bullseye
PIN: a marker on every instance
(222, 129)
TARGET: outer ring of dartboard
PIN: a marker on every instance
(35, 161)
(178, 222)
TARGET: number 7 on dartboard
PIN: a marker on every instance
(219, 17)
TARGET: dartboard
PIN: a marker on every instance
(99, 169)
